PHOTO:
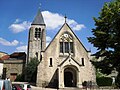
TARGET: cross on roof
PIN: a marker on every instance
(65, 18)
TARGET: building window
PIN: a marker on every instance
(66, 47)
(4, 73)
(51, 62)
(83, 64)
(37, 32)
(37, 55)
(71, 47)
(61, 47)
(66, 43)
(40, 57)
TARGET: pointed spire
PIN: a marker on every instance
(38, 20)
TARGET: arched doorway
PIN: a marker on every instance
(70, 77)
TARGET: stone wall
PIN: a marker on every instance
(47, 74)
(13, 67)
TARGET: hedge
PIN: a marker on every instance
(104, 81)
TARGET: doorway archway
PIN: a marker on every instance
(70, 77)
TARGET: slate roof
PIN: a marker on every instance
(38, 20)
(17, 54)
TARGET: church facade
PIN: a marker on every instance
(65, 62)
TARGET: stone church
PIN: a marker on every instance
(65, 62)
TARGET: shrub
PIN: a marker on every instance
(20, 78)
(104, 81)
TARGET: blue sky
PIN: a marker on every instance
(17, 15)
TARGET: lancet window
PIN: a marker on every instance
(66, 43)
(37, 32)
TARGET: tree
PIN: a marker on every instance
(106, 38)
(31, 70)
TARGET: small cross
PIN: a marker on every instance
(65, 18)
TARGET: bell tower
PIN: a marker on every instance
(37, 37)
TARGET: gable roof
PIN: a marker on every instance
(17, 54)
(71, 59)
(38, 20)
(71, 31)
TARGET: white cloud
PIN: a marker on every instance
(47, 44)
(55, 21)
(21, 48)
(78, 27)
(17, 20)
(8, 43)
(17, 27)
(21, 43)
(52, 20)
(48, 40)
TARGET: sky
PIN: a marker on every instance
(16, 17)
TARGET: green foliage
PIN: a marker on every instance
(106, 38)
(20, 78)
(104, 81)
(31, 70)
(99, 74)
